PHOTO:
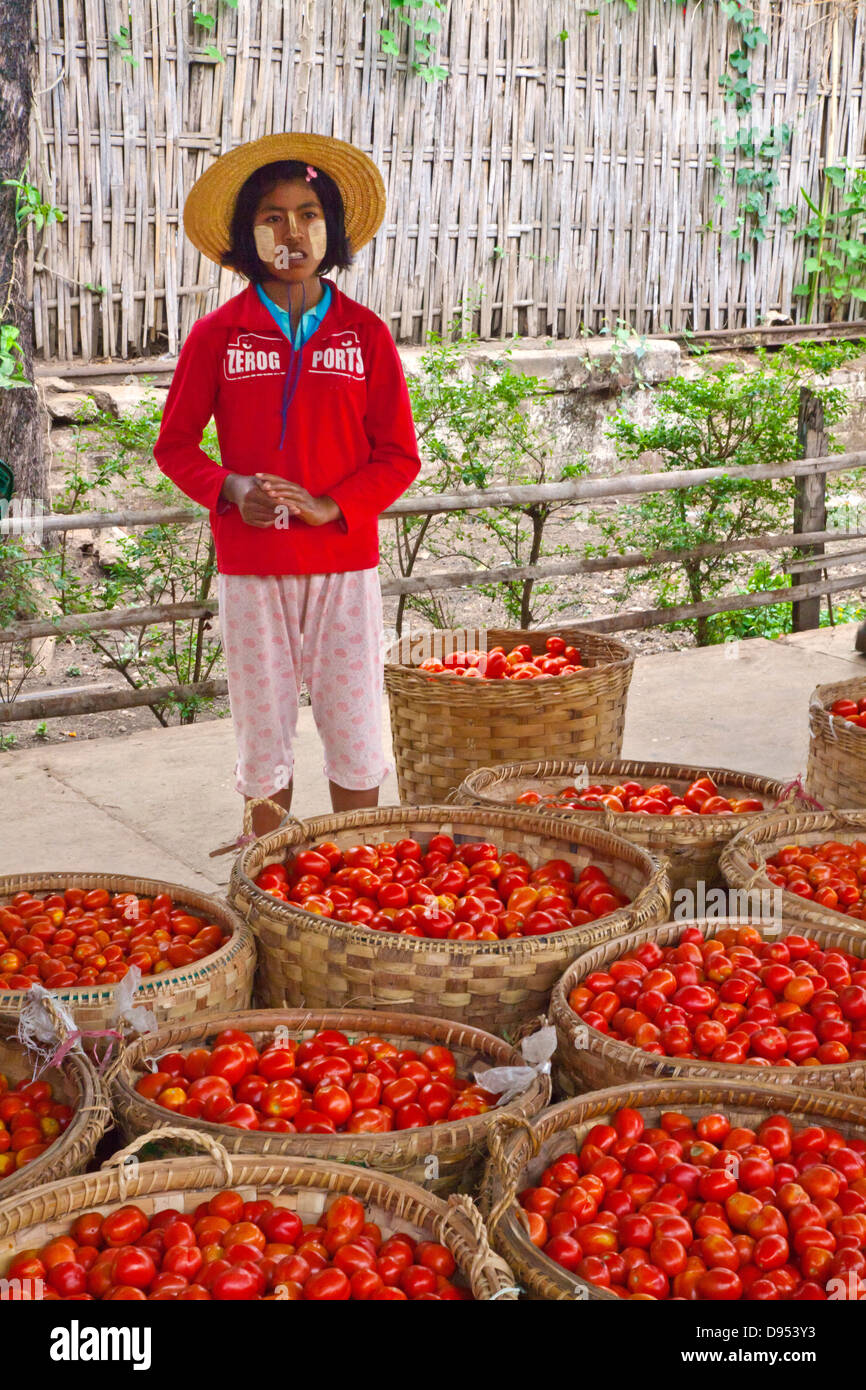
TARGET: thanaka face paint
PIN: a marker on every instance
(316, 230)
(265, 243)
(263, 235)
(318, 238)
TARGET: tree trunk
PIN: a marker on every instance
(538, 516)
(22, 443)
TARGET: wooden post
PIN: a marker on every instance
(810, 502)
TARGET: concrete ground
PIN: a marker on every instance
(156, 803)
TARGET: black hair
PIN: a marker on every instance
(242, 255)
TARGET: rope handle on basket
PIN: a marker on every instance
(248, 838)
(461, 1224)
(66, 1039)
(286, 816)
(198, 1139)
(508, 1179)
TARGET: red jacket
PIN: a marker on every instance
(349, 431)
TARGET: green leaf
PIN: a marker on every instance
(811, 265)
(389, 41)
(212, 52)
(836, 175)
(206, 21)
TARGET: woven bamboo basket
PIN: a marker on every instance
(743, 862)
(218, 984)
(310, 961)
(74, 1082)
(304, 1184)
(836, 773)
(443, 727)
(587, 1060)
(442, 1157)
(517, 1159)
(691, 844)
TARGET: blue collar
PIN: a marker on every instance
(309, 320)
(306, 328)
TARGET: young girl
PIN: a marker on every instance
(316, 439)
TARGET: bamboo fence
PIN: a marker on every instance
(565, 180)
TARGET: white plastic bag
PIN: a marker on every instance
(136, 1016)
(537, 1049)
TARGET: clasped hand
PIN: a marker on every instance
(260, 497)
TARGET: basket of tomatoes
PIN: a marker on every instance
(51, 1119)
(719, 998)
(395, 1092)
(685, 813)
(455, 913)
(245, 1228)
(836, 773)
(702, 1190)
(468, 698)
(814, 862)
(79, 934)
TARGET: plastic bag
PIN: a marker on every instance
(136, 1016)
(537, 1049)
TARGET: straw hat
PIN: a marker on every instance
(208, 210)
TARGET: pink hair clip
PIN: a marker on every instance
(311, 173)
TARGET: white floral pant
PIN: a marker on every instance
(325, 629)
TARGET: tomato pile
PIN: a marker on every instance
(30, 1121)
(229, 1249)
(78, 938)
(558, 659)
(732, 998)
(470, 893)
(832, 874)
(701, 798)
(324, 1085)
(706, 1209)
(852, 710)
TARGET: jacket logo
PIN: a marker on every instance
(342, 357)
(245, 357)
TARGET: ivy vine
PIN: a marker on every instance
(421, 18)
(30, 206)
(837, 264)
(122, 38)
